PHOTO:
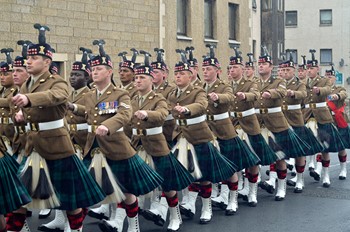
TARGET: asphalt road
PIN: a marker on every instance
(316, 209)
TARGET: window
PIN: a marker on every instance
(209, 19)
(280, 5)
(181, 10)
(291, 18)
(254, 6)
(233, 20)
(266, 4)
(325, 17)
(326, 56)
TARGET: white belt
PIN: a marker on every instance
(316, 105)
(268, 110)
(94, 127)
(169, 117)
(191, 121)
(217, 117)
(6, 120)
(78, 127)
(291, 107)
(243, 113)
(42, 126)
(149, 131)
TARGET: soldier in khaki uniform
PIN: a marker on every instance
(220, 96)
(8, 89)
(126, 73)
(42, 100)
(281, 139)
(249, 71)
(194, 149)
(302, 71)
(320, 120)
(247, 125)
(336, 103)
(107, 110)
(296, 93)
(195, 79)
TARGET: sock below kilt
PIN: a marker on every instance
(282, 174)
(172, 201)
(253, 178)
(273, 167)
(194, 187)
(15, 221)
(300, 169)
(120, 205)
(233, 186)
(342, 158)
(318, 157)
(76, 220)
(325, 163)
(205, 190)
(132, 210)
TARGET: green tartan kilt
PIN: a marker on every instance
(214, 166)
(307, 136)
(11, 161)
(238, 153)
(176, 177)
(74, 186)
(262, 149)
(329, 135)
(345, 135)
(12, 192)
(291, 144)
(134, 175)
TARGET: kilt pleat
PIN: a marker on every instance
(135, 176)
(330, 137)
(11, 161)
(238, 153)
(12, 192)
(214, 166)
(307, 136)
(345, 135)
(175, 176)
(74, 186)
(266, 155)
(291, 144)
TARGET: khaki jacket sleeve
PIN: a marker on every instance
(279, 92)
(56, 95)
(342, 94)
(159, 113)
(201, 103)
(301, 92)
(4, 102)
(226, 96)
(253, 93)
(326, 89)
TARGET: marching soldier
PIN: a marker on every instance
(51, 160)
(276, 130)
(249, 70)
(127, 74)
(320, 120)
(195, 79)
(220, 96)
(336, 103)
(194, 148)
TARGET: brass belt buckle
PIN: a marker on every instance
(239, 114)
(20, 129)
(182, 122)
(34, 126)
(5, 120)
(73, 127)
(284, 107)
(93, 128)
(263, 110)
(313, 105)
(210, 117)
(141, 132)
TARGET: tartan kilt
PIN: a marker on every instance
(238, 153)
(11, 162)
(291, 144)
(74, 186)
(307, 136)
(176, 177)
(329, 135)
(12, 192)
(214, 166)
(135, 176)
(345, 135)
(262, 149)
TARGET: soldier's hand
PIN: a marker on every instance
(316, 90)
(333, 97)
(19, 116)
(213, 96)
(70, 106)
(101, 130)
(180, 109)
(20, 100)
(240, 95)
(266, 95)
(290, 93)
(141, 114)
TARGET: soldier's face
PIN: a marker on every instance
(302, 73)
(236, 71)
(37, 64)
(288, 73)
(143, 83)
(126, 75)
(249, 71)
(20, 75)
(194, 73)
(210, 73)
(77, 79)
(312, 72)
(265, 68)
(158, 77)
(182, 78)
(6, 79)
(101, 74)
